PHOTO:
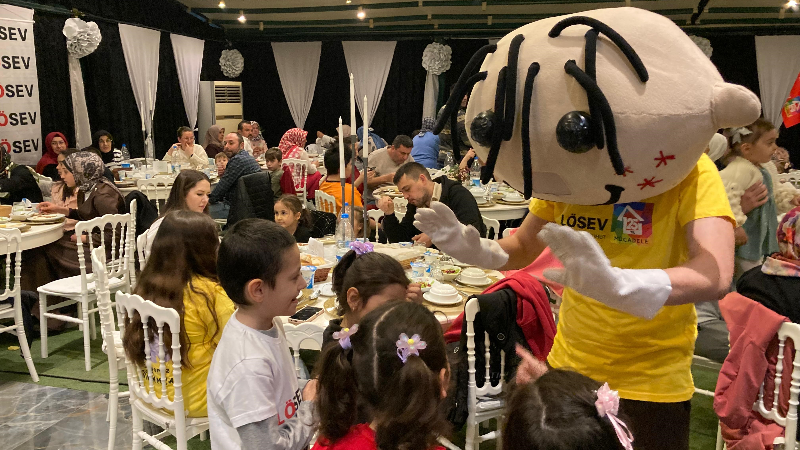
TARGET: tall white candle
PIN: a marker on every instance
(366, 128)
(352, 107)
(341, 151)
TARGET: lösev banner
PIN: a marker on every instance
(20, 127)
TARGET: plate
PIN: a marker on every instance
(485, 283)
(487, 204)
(5, 219)
(45, 218)
(330, 307)
(506, 202)
(20, 225)
(428, 298)
(326, 290)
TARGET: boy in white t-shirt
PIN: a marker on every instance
(253, 397)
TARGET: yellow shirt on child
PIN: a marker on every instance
(646, 360)
(199, 325)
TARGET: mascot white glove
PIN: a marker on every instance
(462, 242)
(587, 270)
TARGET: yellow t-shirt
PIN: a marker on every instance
(200, 327)
(647, 360)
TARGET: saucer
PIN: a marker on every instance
(487, 282)
(326, 290)
(455, 301)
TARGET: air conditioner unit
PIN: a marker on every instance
(220, 103)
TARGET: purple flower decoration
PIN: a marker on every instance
(407, 347)
(344, 336)
(361, 247)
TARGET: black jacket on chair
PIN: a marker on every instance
(146, 212)
(254, 198)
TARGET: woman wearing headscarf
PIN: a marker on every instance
(776, 283)
(426, 145)
(292, 146)
(54, 144)
(97, 196)
(17, 182)
(103, 141)
(213, 141)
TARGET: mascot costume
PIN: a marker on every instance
(602, 117)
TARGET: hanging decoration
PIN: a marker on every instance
(703, 43)
(232, 63)
(436, 58)
(82, 37)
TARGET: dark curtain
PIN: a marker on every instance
(332, 94)
(55, 100)
(463, 49)
(170, 113)
(400, 109)
(735, 58)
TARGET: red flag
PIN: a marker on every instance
(791, 109)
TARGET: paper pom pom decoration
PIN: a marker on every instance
(82, 38)
(436, 58)
(232, 63)
(704, 44)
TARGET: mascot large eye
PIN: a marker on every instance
(482, 128)
(574, 132)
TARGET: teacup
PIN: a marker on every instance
(443, 292)
(477, 192)
(513, 197)
(473, 275)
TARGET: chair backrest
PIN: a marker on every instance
(297, 334)
(789, 421)
(155, 189)
(299, 170)
(325, 202)
(127, 306)
(104, 305)
(493, 225)
(254, 198)
(322, 224)
(507, 232)
(375, 214)
(113, 237)
(131, 237)
(141, 249)
(400, 204)
(11, 244)
(470, 311)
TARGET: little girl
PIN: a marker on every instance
(290, 214)
(395, 363)
(358, 224)
(181, 273)
(564, 410)
(752, 146)
(364, 280)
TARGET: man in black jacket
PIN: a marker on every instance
(414, 181)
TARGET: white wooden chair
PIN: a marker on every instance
(375, 214)
(297, 334)
(507, 232)
(114, 235)
(789, 421)
(481, 407)
(299, 170)
(493, 225)
(112, 342)
(132, 238)
(156, 189)
(400, 207)
(146, 402)
(141, 249)
(325, 202)
(11, 244)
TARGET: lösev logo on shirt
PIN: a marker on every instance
(632, 223)
(291, 407)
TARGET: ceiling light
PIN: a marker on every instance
(221, 4)
(348, 1)
(791, 3)
(242, 18)
(361, 14)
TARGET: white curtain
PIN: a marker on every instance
(83, 133)
(369, 62)
(778, 59)
(431, 95)
(189, 60)
(140, 46)
(298, 64)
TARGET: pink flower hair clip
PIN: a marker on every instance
(607, 405)
(361, 247)
(409, 346)
(344, 336)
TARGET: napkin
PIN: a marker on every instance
(316, 248)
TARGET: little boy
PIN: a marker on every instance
(221, 159)
(253, 398)
(280, 177)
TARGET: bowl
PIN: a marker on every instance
(513, 197)
(474, 275)
(425, 283)
(450, 272)
(443, 293)
(477, 192)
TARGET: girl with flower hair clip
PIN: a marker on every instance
(364, 280)
(392, 368)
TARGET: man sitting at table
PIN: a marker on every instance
(240, 164)
(416, 185)
(331, 184)
(386, 161)
(186, 152)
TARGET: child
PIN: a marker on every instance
(564, 410)
(752, 146)
(280, 177)
(364, 280)
(181, 274)
(253, 397)
(358, 223)
(331, 184)
(189, 191)
(395, 363)
(291, 214)
(221, 159)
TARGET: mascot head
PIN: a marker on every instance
(605, 106)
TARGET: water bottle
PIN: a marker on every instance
(475, 172)
(344, 230)
(125, 153)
